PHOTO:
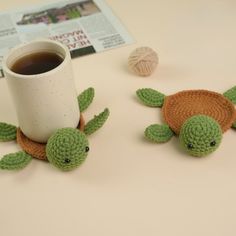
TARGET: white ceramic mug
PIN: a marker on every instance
(44, 102)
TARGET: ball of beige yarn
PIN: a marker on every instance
(143, 61)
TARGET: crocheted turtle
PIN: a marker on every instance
(66, 149)
(199, 117)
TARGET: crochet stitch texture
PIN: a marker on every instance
(15, 161)
(161, 131)
(38, 150)
(185, 104)
(8, 132)
(200, 135)
(199, 117)
(67, 148)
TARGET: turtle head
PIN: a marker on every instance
(200, 135)
(67, 148)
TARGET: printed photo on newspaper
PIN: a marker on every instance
(85, 26)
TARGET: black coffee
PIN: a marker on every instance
(36, 63)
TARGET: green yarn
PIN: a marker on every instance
(85, 99)
(150, 97)
(158, 133)
(7, 132)
(96, 123)
(67, 148)
(15, 161)
(231, 94)
(200, 135)
(234, 125)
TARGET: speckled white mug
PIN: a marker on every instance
(44, 102)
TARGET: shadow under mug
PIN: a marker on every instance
(47, 101)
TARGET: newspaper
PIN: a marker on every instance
(85, 26)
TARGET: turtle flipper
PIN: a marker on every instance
(234, 125)
(159, 133)
(231, 94)
(150, 97)
(85, 99)
(15, 161)
(96, 123)
(7, 132)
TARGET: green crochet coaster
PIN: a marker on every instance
(199, 117)
(66, 149)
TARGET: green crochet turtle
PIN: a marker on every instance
(199, 117)
(66, 149)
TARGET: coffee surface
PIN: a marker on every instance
(36, 63)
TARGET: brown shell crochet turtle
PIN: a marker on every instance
(66, 149)
(199, 117)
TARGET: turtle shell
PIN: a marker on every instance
(35, 149)
(177, 108)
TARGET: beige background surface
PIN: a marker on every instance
(128, 186)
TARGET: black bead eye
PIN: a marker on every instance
(86, 149)
(213, 143)
(67, 160)
(190, 146)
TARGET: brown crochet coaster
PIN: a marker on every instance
(179, 107)
(36, 149)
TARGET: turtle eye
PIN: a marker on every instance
(67, 160)
(86, 149)
(190, 146)
(213, 143)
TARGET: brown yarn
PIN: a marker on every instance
(182, 105)
(35, 149)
